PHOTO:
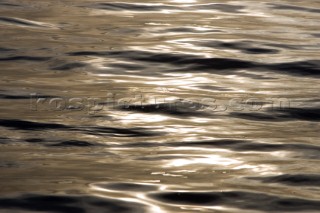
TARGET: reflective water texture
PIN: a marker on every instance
(159, 106)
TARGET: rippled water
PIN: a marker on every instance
(159, 106)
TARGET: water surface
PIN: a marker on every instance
(159, 106)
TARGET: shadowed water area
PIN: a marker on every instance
(159, 106)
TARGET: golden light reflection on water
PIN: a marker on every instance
(150, 65)
(203, 159)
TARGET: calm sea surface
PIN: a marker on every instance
(159, 106)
